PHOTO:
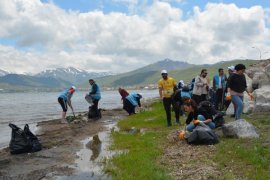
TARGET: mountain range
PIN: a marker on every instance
(55, 79)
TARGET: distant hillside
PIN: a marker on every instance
(141, 77)
(12, 82)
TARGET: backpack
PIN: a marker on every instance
(202, 134)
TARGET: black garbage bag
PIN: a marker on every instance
(19, 142)
(202, 134)
(36, 145)
(94, 114)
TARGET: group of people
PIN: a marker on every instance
(224, 88)
(130, 100)
(179, 97)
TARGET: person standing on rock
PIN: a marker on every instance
(131, 102)
(236, 86)
(94, 96)
(167, 86)
(64, 99)
(201, 87)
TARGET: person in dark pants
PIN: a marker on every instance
(219, 86)
(64, 99)
(94, 96)
(167, 86)
(200, 89)
(131, 101)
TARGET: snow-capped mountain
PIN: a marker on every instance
(71, 74)
(3, 73)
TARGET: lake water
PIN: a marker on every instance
(30, 108)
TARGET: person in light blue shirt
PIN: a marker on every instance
(93, 97)
(131, 102)
(64, 99)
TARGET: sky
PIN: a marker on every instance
(123, 35)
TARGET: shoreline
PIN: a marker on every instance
(60, 144)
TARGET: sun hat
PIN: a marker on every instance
(73, 87)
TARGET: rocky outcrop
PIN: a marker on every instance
(239, 129)
(260, 74)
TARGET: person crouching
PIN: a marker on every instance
(131, 101)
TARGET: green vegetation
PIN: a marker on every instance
(143, 149)
(247, 158)
(233, 158)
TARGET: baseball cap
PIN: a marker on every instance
(231, 68)
(73, 87)
(164, 71)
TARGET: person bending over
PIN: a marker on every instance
(131, 102)
(64, 99)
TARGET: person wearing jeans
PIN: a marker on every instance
(200, 117)
(236, 86)
(239, 106)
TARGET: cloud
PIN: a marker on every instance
(49, 36)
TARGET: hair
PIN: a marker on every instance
(191, 103)
(202, 71)
(239, 67)
(220, 69)
(91, 79)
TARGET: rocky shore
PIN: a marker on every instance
(60, 142)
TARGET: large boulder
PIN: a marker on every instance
(262, 102)
(239, 129)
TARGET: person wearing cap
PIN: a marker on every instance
(181, 84)
(131, 102)
(167, 86)
(64, 99)
(219, 86)
(236, 87)
(200, 89)
(94, 96)
(231, 70)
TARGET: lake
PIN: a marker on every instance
(30, 108)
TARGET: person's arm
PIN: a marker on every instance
(160, 92)
(94, 89)
(139, 101)
(214, 87)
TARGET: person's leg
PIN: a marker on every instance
(238, 102)
(128, 106)
(190, 127)
(63, 104)
(167, 107)
(210, 124)
(196, 98)
(219, 99)
(176, 107)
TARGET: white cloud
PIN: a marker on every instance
(47, 36)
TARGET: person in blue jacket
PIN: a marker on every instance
(64, 99)
(94, 95)
(219, 86)
(131, 101)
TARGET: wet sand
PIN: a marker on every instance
(61, 143)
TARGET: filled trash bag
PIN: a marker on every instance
(36, 146)
(19, 142)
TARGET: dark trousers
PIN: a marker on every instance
(219, 99)
(199, 98)
(167, 103)
(128, 107)
(95, 105)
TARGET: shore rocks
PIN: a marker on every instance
(239, 129)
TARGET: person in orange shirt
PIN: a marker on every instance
(167, 86)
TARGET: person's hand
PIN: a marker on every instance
(196, 122)
(251, 96)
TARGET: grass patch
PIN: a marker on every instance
(234, 158)
(143, 149)
(247, 158)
